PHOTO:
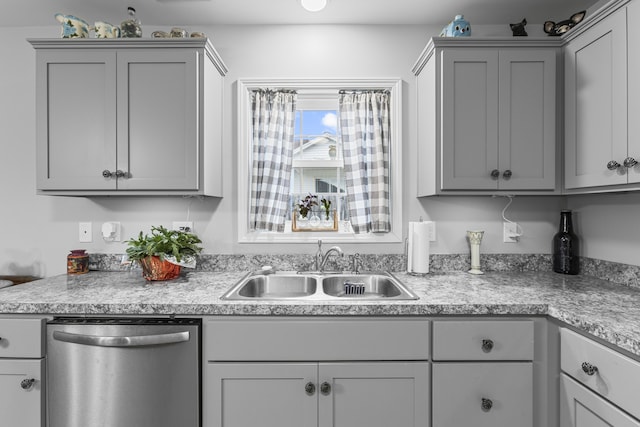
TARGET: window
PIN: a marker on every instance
(318, 165)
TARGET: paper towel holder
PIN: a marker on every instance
(416, 256)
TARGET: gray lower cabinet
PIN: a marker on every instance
(483, 395)
(598, 386)
(487, 117)
(482, 373)
(602, 65)
(377, 394)
(316, 372)
(583, 408)
(128, 117)
(22, 374)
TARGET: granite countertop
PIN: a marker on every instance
(604, 309)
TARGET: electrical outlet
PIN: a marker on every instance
(432, 231)
(85, 233)
(510, 232)
(186, 226)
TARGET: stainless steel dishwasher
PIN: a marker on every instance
(123, 372)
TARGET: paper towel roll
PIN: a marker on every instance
(418, 247)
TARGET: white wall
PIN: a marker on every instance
(36, 232)
(608, 226)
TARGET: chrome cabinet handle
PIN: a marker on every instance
(613, 165)
(325, 388)
(310, 388)
(117, 174)
(507, 174)
(495, 174)
(487, 345)
(486, 404)
(132, 341)
(27, 383)
(589, 369)
(629, 162)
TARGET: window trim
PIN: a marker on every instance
(320, 87)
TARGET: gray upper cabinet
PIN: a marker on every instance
(601, 83)
(487, 116)
(129, 117)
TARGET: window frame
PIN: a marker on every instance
(319, 88)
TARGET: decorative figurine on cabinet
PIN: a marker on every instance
(518, 29)
(459, 27)
(72, 26)
(558, 29)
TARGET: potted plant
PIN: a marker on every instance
(306, 204)
(161, 252)
(326, 205)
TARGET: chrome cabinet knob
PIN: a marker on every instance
(507, 174)
(495, 174)
(487, 345)
(27, 383)
(629, 162)
(613, 165)
(486, 404)
(325, 388)
(589, 369)
(117, 174)
(310, 388)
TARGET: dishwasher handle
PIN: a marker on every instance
(131, 341)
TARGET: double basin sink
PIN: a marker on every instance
(291, 285)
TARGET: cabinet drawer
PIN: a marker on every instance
(298, 339)
(22, 402)
(21, 338)
(483, 394)
(617, 377)
(483, 340)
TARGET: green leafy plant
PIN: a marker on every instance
(326, 205)
(305, 205)
(163, 242)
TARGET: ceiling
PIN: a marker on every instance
(212, 12)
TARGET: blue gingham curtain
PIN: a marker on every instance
(272, 129)
(364, 129)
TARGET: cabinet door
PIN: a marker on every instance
(469, 140)
(76, 119)
(158, 119)
(483, 394)
(260, 394)
(373, 394)
(633, 64)
(580, 407)
(527, 135)
(596, 104)
(21, 405)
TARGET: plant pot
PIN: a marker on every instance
(155, 269)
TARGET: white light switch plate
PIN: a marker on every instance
(85, 232)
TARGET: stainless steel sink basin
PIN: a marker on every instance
(274, 286)
(290, 285)
(364, 286)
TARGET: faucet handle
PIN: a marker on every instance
(319, 244)
(356, 263)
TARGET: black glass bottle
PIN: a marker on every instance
(565, 246)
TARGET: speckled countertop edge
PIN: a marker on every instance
(603, 309)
